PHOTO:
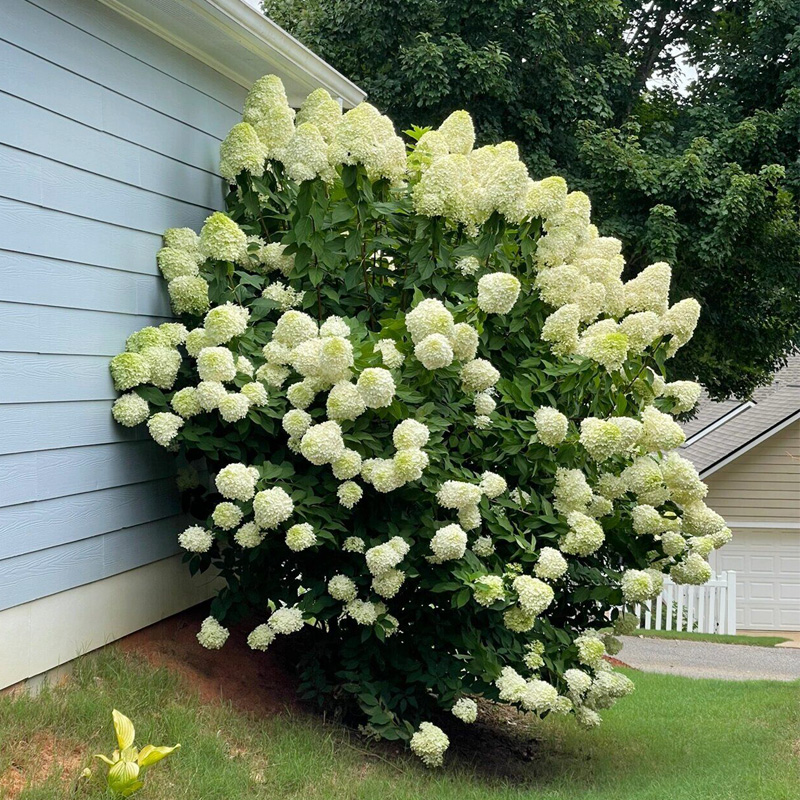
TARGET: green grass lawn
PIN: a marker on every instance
(674, 738)
(718, 638)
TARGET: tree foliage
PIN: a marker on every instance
(706, 176)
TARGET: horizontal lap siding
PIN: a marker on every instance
(50, 282)
(60, 568)
(48, 474)
(763, 484)
(31, 427)
(109, 136)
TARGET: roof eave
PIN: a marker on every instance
(742, 449)
(257, 45)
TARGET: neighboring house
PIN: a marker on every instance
(749, 455)
(111, 116)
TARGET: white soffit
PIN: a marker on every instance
(238, 41)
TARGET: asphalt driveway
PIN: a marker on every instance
(733, 662)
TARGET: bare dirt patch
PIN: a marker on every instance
(615, 662)
(34, 760)
(253, 682)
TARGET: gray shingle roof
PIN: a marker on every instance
(720, 430)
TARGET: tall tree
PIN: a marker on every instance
(704, 175)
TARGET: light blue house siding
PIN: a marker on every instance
(108, 135)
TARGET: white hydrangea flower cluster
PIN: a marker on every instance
(196, 540)
(483, 546)
(234, 406)
(130, 410)
(551, 426)
(391, 356)
(478, 376)
(430, 744)
(468, 266)
(685, 395)
(212, 635)
(349, 494)
(237, 482)
(353, 544)
(464, 185)
(242, 151)
(364, 612)
(580, 277)
(249, 536)
(151, 356)
(267, 110)
(227, 516)
(590, 650)
(448, 543)
(221, 239)
(164, 427)
(465, 709)
(340, 587)
(571, 491)
(179, 261)
(534, 652)
(305, 155)
(464, 497)
(300, 537)
(488, 589)
(498, 292)
(271, 507)
(694, 570)
(431, 327)
(584, 537)
(261, 637)
(637, 586)
(271, 257)
(366, 137)
(533, 694)
(551, 564)
(283, 295)
(223, 323)
(286, 620)
(533, 595)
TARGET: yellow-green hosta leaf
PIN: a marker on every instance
(134, 787)
(124, 729)
(130, 754)
(122, 776)
(105, 758)
(150, 755)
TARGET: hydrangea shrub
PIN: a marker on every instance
(435, 417)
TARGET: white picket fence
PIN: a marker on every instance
(705, 609)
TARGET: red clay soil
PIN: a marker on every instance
(253, 682)
(615, 662)
(32, 761)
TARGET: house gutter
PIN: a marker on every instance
(254, 40)
(242, 16)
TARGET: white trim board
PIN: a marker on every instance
(750, 445)
(777, 525)
(717, 423)
(255, 44)
(47, 633)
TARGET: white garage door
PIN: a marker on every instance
(767, 565)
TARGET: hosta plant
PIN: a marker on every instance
(434, 418)
(127, 764)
